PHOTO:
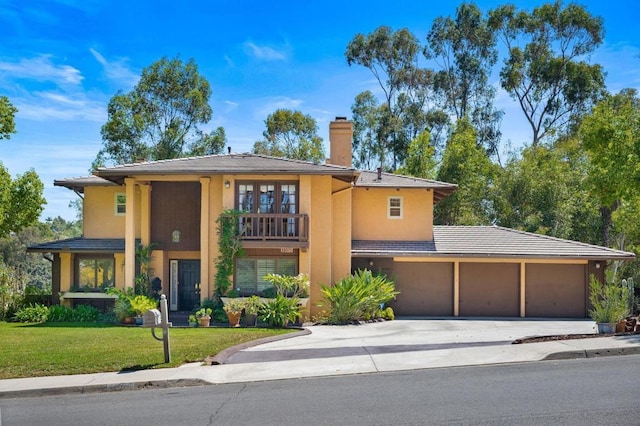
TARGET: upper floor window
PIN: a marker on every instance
(120, 204)
(394, 208)
(267, 197)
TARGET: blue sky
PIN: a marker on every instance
(62, 60)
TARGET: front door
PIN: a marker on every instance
(188, 284)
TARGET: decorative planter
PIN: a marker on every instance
(127, 320)
(138, 320)
(250, 320)
(606, 327)
(234, 319)
(204, 322)
(621, 326)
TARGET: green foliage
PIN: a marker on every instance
(204, 313)
(269, 292)
(291, 134)
(252, 305)
(21, 200)
(60, 313)
(144, 255)
(7, 121)
(388, 314)
(159, 118)
(544, 70)
(357, 297)
(141, 304)
(85, 313)
(288, 285)
(33, 313)
(229, 246)
(278, 312)
(420, 161)
(235, 305)
(468, 166)
(609, 301)
(464, 47)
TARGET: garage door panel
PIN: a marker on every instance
(426, 289)
(556, 291)
(489, 289)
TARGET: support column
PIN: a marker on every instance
(456, 289)
(205, 224)
(523, 288)
(145, 214)
(130, 233)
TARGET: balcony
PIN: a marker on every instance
(274, 230)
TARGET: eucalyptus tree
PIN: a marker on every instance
(546, 69)
(392, 58)
(160, 118)
(7, 118)
(291, 134)
(464, 48)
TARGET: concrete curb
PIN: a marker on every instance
(225, 354)
(112, 387)
(592, 353)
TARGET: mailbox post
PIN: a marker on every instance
(154, 318)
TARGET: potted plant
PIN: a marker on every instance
(280, 311)
(251, 309)
(234, 307)
(193, 322)
(122, 306)
(141, 304)
(609, 304)
(204, 316)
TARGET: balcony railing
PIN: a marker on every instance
(274, 226)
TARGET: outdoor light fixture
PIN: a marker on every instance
(227, 184)
(597, 265)
(175, 236)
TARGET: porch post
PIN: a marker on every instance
(456, 288)
(205, 223)
(523, 288)
(145, 214)
(130, 233)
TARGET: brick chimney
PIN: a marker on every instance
(340, 137)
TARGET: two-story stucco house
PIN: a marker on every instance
(325, 220)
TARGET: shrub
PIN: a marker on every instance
(141, 304)
(85, 313)
(358, 296)
(60, 313)
(609, 301)
(33, 313)
(278, 312)
(388, 314)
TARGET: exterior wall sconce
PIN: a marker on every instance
(597, 265)
(370, 262)
(227, 184)
(175, 236)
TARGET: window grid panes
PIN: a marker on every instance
(95, 273)
(395, 207)
(250, 272)
(120, 204)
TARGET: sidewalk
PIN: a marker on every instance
(404, 344)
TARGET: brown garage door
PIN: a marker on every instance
(490, 289)
(426, 289)
(556, 291)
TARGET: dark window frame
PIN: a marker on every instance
(95, 257)
(255, 259)
(277, 194)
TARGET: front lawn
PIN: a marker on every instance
(50, 349)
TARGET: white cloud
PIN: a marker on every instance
(44, 106)
(116, 70)
(41, 68)
(269, 105)
(265, 53)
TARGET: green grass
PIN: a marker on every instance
(50, 349)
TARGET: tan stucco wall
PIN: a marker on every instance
(341, 231)
(370, 221)
(99, 218)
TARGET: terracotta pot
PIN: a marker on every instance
(127, 320)
(621, 326)
(234, 319)
(204, 322)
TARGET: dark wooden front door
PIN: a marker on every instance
(188, 284)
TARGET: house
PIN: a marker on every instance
(325, 220)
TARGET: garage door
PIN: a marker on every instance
(490, 289)
(426, 289)
(556, 291)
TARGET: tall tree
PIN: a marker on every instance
(21, 200)
(291, 134)
(7, 114)
(467, 165)
(464, 48)
(420, 161)
(159, 118)
(545, 70)
(611, 137)
(391, 57)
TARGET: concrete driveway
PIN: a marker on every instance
(407, 336)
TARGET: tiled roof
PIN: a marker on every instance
(79, 183)
(370, 179)
(92, 245)
(487, 241)
(226, 164)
